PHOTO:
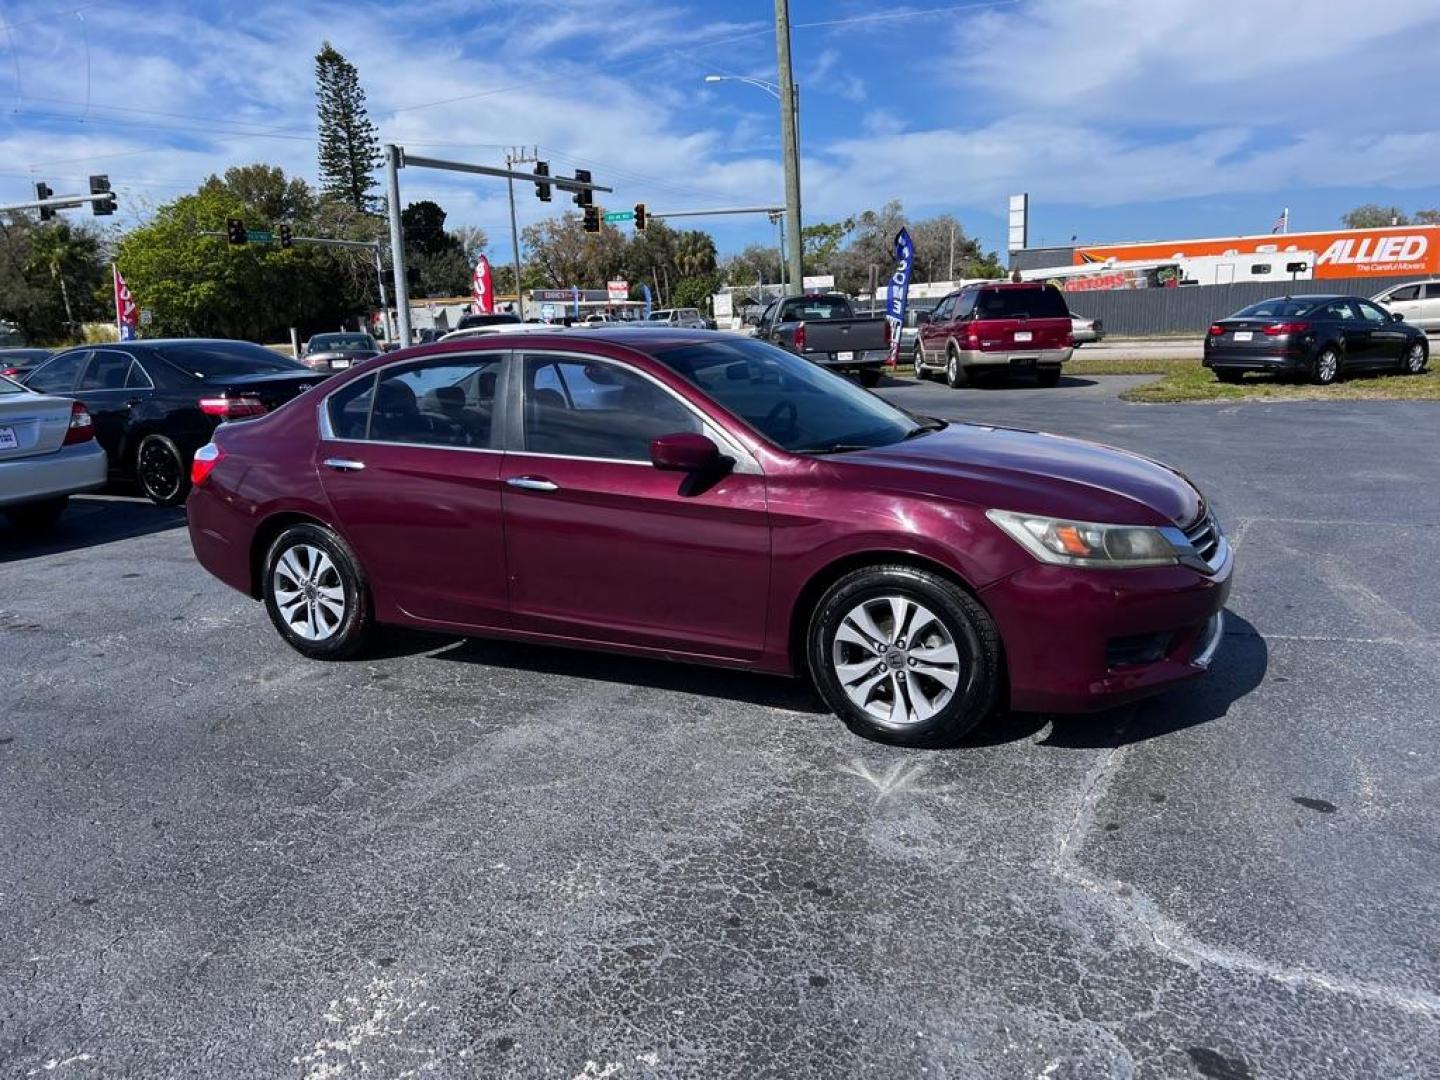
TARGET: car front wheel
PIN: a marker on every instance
(1414, 360)
(904, 656)
(315, 593)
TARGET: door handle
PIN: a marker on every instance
(133, 402)
(532, 483)
(340, 464)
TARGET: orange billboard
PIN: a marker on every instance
(1390, 252)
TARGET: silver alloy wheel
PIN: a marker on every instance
(308, 592)
(896, 661)
(1415, 359)
(953, 369)
(1328, 366)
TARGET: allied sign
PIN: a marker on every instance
(1394, 251)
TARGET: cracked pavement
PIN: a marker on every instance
(464, 858)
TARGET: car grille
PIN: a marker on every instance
(1204, 537)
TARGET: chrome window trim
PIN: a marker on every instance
(745, 462)
(135, 365)
(327, 432)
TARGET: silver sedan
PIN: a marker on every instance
(1085, 331)
(48, 452)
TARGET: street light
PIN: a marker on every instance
(790, 133)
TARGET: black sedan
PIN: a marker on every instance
(336, 352)
(155, 403)
(1316, 337)
(15, 362)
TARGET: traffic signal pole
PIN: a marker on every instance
(396, 159)
(58, 202)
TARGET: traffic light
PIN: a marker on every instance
(639, 217)
(592, 219)
(99, 185)
(542, 190)
(235, 227)
(286, 236)
(583, 197)
(42, 191)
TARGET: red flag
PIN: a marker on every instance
(127, 315)
(482, 287)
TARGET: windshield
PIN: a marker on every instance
(788, 400)
(1044, 302)
(225, 359)
(816, 308)
(1271, 309)
(341, 343)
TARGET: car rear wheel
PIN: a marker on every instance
(1227, 376)
(160, 470)
(904, 656)
(954, 370)
(37, 517)
(869, 377)
(1047, 376)
(1326, 367)
(316, 594)
(1413, 362)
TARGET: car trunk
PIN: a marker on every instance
(1019, 335)
(1248, 334)
(31, 425)
(272, 390)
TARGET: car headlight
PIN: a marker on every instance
(1062, 542)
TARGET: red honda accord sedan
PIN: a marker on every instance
(700, 496)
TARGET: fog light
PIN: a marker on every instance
(1136, 650)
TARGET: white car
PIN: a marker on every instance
(499, 328)
(48, 452)
(688, 317)
(1085, 331)
(1418, 303)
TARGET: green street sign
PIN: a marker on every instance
(259, 236)
(620, 215)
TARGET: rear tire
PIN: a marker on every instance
(1325, 368)
(1047, 376)
(162, 471)
(870, 378)
(1228, 376)
(37, 517)
(904, 656)
(316, 593)
(954, 370)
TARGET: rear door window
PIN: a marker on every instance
(58, 376)
(1409, 292)
(112, 370)
(450, 401)
(1432, 290)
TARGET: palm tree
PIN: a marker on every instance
(695, 254)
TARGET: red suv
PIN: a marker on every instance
(985, 329)
(696, 496)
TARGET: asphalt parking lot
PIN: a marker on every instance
(461, 858)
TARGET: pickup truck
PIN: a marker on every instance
(825, 330)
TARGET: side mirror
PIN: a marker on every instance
(684, 451)
(1395, 316)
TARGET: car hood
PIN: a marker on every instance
(1034, 473)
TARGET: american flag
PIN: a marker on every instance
(1282, 223)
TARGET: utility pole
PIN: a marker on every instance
(952, 254)
(512, 158)
(789, 129)
(393, 158)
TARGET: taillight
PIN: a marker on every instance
(800, 337)
(228, 408)
(1216, 330)
(82, 428)
(1279, 329)
(10, 371)
(972, 338)
(206, 458)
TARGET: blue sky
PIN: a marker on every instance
(1124, 119)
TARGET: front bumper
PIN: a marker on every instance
(1080, 640)
(1014, 358)
(67, 471)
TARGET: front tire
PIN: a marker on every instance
(316, 593)
(1325, 370)
(161, 470)
(904, 656)
(1413, 362)
(37, 517)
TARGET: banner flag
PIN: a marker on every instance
(896, 292)
(127, 315)
(482, 287)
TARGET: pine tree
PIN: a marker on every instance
(349, 144)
